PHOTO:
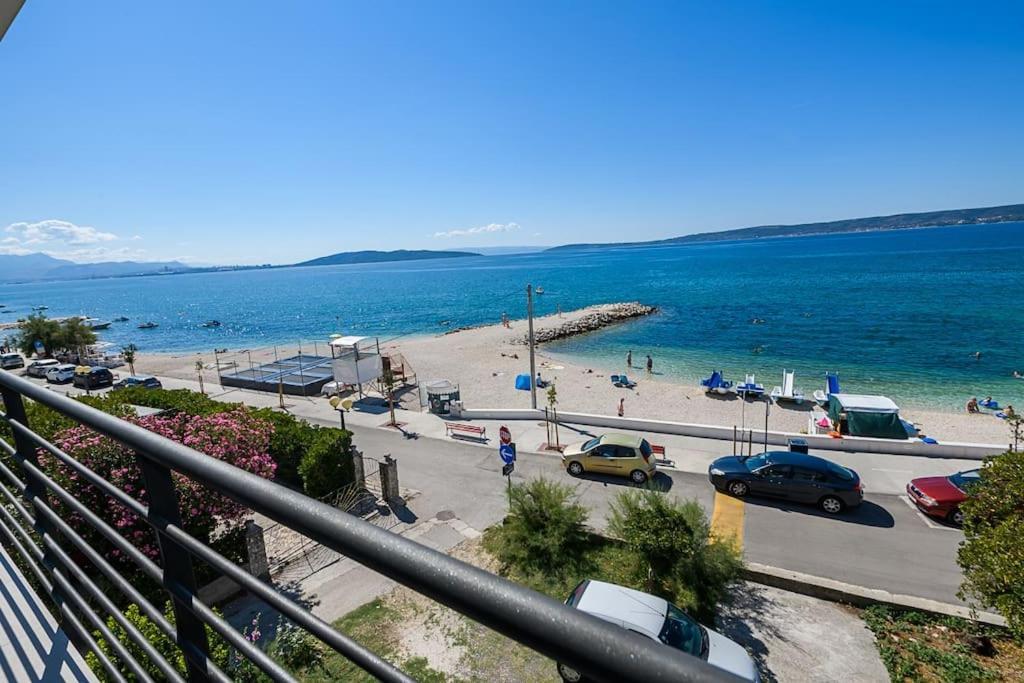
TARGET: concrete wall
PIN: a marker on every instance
(969, 451)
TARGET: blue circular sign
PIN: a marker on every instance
(507, 451)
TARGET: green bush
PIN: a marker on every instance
(291, 439)
(219, 651)
(184, 400)
(296, 649)
(544, 531)
(326, 465)
(992, 554)
(671, 553)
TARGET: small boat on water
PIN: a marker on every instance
(121, 319)
(98, 324)
(211, 323)
(148, 326)
(40, 308)
(539, 290)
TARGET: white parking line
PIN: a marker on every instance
(927, 520)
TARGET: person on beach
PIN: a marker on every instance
(650, 364)
(1010, 412)
(972, 405)
(629, 358)
(622, 406)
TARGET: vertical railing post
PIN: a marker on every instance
(176, 560)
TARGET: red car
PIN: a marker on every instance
(941, 496)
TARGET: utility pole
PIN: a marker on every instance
(533, 360)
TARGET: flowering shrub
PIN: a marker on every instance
(236, 437)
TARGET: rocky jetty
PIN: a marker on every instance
(599, 317)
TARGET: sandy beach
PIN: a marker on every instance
(484, 362)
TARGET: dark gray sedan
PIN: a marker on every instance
(797, 477)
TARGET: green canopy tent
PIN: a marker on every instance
(860, 415)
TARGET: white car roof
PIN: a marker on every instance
(635, 610)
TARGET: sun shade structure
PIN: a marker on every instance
(864, 415)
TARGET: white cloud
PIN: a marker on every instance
(483, 229)
(66, 240)
(58, 231)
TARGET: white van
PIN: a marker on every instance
(39, 368)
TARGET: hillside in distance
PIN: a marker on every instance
(382, 256)
(27, 267)
(902, 221)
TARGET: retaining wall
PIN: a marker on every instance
(858, 444)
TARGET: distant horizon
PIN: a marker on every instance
(514, 249)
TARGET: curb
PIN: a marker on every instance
(858, 596)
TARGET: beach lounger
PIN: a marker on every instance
(622, 381)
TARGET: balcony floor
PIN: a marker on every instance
(32, 648)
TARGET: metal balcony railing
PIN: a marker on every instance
(35, 529)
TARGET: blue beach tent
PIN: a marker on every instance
(523, 382)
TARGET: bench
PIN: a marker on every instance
(454, 429)
(659, 455)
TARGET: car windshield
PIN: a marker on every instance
(591, 444)
(683, 633)
(756, 462)
(962, 480)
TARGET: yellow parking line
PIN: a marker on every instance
(727, 519)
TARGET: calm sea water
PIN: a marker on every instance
(899, 313)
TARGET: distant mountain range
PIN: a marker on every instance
(42, 267)
(347, 257)
(902, 221)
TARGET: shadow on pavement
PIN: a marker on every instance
(659, 482)
(744, 620)
(868, 514)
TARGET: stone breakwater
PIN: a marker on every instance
(601, 317)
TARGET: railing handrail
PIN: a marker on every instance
(589, 644)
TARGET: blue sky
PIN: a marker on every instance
(251, 132)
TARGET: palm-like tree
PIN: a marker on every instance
(128, 353)
(37, 327)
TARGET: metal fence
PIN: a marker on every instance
(46, 541)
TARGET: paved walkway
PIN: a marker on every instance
(32, 648)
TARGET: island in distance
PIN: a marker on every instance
(382, 256)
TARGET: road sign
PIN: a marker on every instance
(505, 435)
(507, 451)
(506, 470)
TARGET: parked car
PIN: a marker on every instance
(789, 475)
(39, 368)
(60, 374)
(9, 361)
(620, 454)
(93, 377)
(144, 381)
(941, 496)
(659, 620)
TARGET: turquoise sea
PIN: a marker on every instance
(900, 313)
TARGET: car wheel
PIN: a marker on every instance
(831, 505)
(638, 477)
(737, 488)
(569, 675)
(955, 517)
(575, 469)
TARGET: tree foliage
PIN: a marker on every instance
(327, 465)
(671, 551)
(545, 530)
(992, 554)
(72, 334)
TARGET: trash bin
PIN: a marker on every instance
(798, 445)
(440, 395)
